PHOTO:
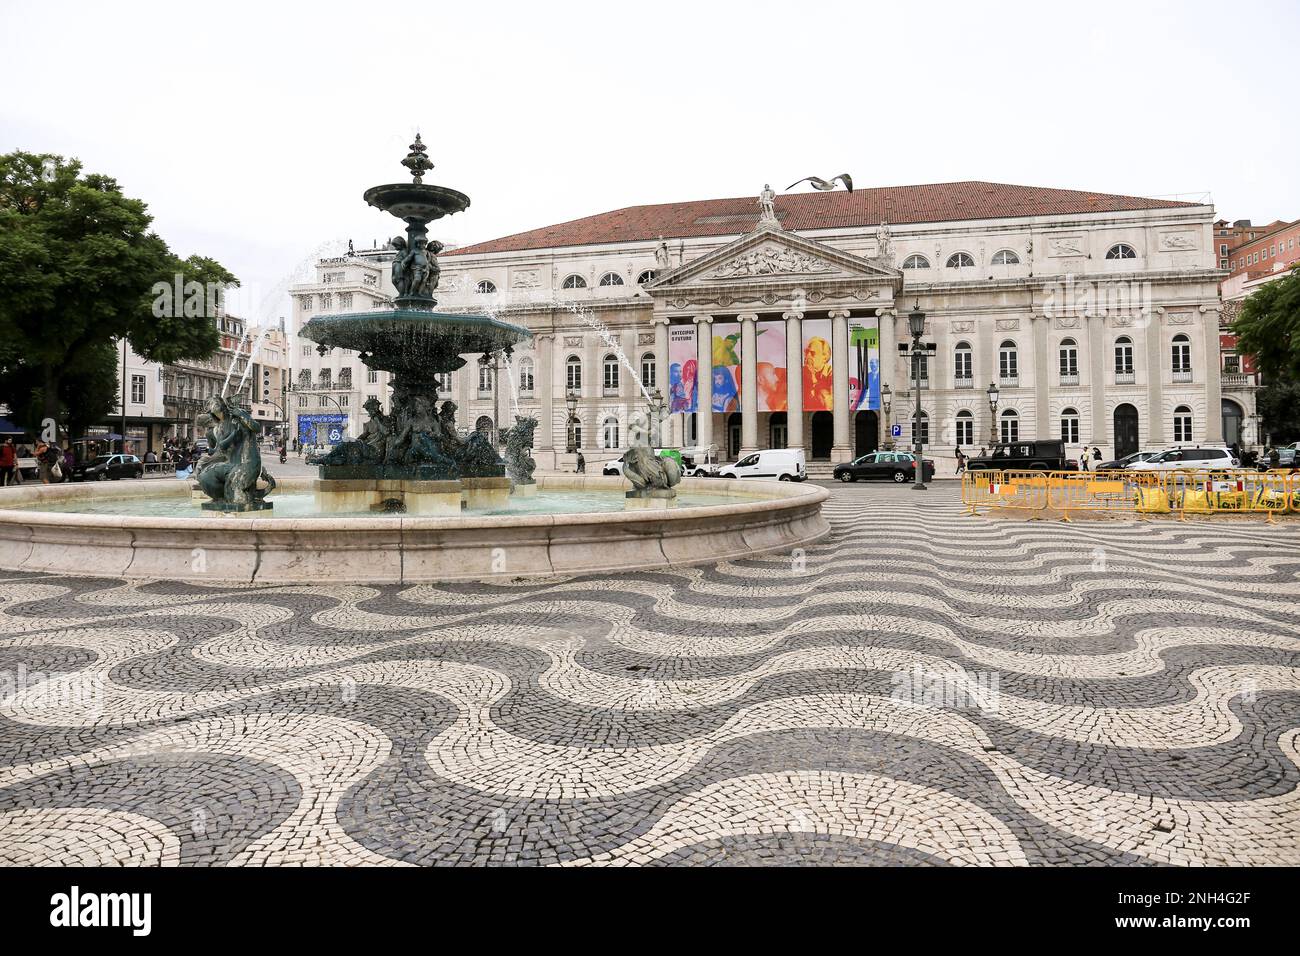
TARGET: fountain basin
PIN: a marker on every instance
(759, 517)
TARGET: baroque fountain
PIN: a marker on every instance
(410, 499)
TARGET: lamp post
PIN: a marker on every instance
(992, 392)
(916, 325)
(886, 402)
(571, 439)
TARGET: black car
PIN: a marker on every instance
(108, 466)
(894, 466)
(1043, 455)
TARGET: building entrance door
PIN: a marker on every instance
(823, 434)
(733, 436)
(1126, 430)
(778, 430)
(866, 432)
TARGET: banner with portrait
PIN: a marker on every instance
(726, 367)
(683, 359)
(771, 370)
(818, 378)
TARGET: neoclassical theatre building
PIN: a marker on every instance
(778, 321)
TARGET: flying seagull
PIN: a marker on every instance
(824, 185)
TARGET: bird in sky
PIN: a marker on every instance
(825, 185)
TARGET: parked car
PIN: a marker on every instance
(783, 464)
(894, 466)
(1287, 458)
(108, 466)
(1188, 459)
(1041, 455)
(1118, 463)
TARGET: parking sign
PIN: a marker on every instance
(897, 431)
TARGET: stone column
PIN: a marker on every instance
(1213, 376)
(661, 378)
(888, 374)
(841, 449)
(543, 349)
(1041, 324)
(794, 379)
(704, 378)
(1155, 423)
(748, 382)
(1096, 379)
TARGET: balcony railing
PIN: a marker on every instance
(1124, 378)
(1070, 379)
(1238, 379)
(963, 383)
(1182, 375)
(1009, 381)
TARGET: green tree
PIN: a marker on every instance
(1268, 327)
(78, 271)
(1279, 407)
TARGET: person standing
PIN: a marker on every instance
(1083, 459)
(8, 462)
(961, 461)
(1096, 454)
(582, 464)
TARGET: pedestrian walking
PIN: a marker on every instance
(8, 462)
(961, 462)
(1083, 459)
(582, 465)
(1096, 454)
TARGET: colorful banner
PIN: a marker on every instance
(322, 429)
(771, 370)
(683, 360)
(864, 352)
(726, 367)
(818, 381)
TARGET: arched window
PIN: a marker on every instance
(1070, 426)
(647, 276)
(1010, 426)
(1182, 424)
(1069, 355)
(486, 287)
(611, 278)
(1121, 250)
(963, 366)
(1008, 363)
(923, 432)
(609, 433)
(574, 281)
(916, 262)
(965, 428)
(442, 381)
(961, 260)
(648, 378)
(573, 374)
(304, 378)
(610, 370)
(484, 378)
(1123, 360)
(1182, 356)
(1005, 257)
(526, 375)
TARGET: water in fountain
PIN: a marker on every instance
(238, 351)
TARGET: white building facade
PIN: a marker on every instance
(1096, 316)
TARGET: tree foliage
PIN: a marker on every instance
(1268, 327)
(1279, 407)
(78, 266)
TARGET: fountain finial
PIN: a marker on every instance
(416, 161)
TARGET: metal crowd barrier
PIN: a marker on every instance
(1063, 493)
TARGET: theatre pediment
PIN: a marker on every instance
(772, 257)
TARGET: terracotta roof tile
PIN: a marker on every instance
(939, 202)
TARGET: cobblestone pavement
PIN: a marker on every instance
(924, 688)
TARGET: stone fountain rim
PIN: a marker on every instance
(767, 496)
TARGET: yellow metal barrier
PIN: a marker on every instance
(1182, 493)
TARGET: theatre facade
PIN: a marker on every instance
(780, 321)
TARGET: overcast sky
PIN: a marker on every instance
(252, 129)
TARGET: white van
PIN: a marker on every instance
(782, 464)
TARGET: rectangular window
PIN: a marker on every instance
(372, 376)
(137, 389)
(1070, 430)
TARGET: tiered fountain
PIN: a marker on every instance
(412, 459)
(409, 500)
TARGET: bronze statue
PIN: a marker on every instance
(229, 473)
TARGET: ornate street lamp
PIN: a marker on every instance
(916, 325)
(993, 415)
(571, 443)
(886, 394)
